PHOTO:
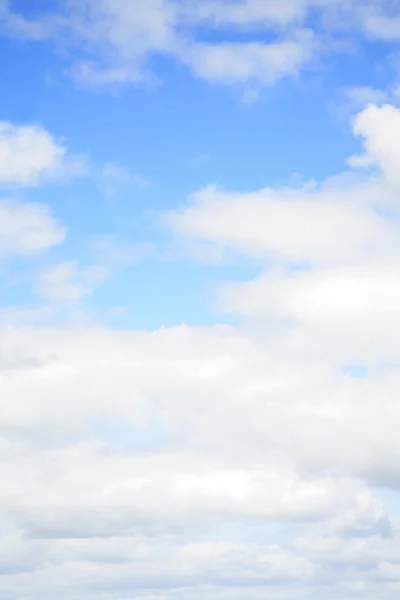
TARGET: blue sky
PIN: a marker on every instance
(200, 285)
(177, 138)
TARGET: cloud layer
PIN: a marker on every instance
(214, 462)
(119, 37)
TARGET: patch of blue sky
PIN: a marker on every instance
(118, 434)
(391, 500)
(33, 8)
(357, 371)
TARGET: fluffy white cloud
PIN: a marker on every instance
(343, 300)
(92, 493)
(124, 454)
(161, 388)
(29, 155)
(320, 226)
(331, 299)
(347, 313)
(338, 222)
(27, 229)
(152, 569)
(380, 128)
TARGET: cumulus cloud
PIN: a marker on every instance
(332, 292)
(124, 453)
(349, 313)
(337, 222)
(380, 128)
(322, 226)
(339, 250)
(27, 229)
(103, 375)
(121, 495)
(29, 154)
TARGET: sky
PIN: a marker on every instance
(200, 299)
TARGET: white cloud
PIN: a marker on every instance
(238, 426)
(381, 21)
(29, 155)
(273, 401)
(191, 463)
(27, 229)
(118, 37)
(252, 12)
(339, 222)
(337, 307)
(116, 566)
(380, 128)
(95, 494)
(343, 301)
(257, 63)
(347, 313)
(115, 178)
(66, 282)
(357, 98)
(321, 226)
(92, 74)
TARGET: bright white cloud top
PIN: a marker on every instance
(254, 451)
